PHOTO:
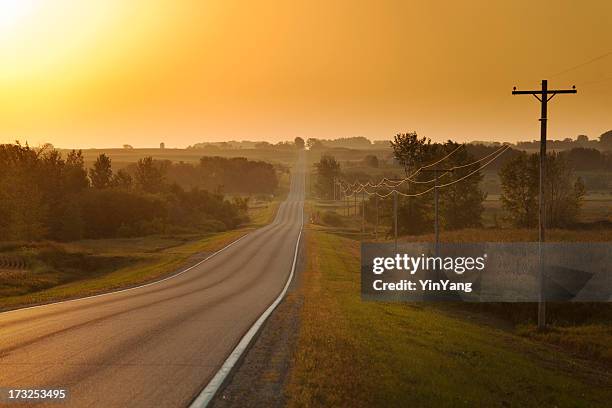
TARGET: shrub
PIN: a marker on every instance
(332, 218)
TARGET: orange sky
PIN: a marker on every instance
(101, 73)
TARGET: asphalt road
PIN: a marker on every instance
(159, 345)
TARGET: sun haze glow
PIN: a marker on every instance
(107, 72)
(13, 11)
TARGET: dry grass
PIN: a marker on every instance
(514, 235)
(83, 268)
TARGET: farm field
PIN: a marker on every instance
(123, 157)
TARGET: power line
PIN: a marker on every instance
(503, 148)
(363, 187)
(397, 183)
(582, 64)
(385, 180)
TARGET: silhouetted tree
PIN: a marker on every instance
(606, 140)
(314, 144)
(75, 174)
(149, 176)
(328, 169)
(43, 196)
(122, 180)
(410, 151)
(101, 174)
(520, 185)
(461, 204)
(299, 143)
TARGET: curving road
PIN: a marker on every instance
(157, 345)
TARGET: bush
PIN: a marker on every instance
(332, 218)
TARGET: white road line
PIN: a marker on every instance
(132, 288)
(207, 394)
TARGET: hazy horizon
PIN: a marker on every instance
(104, 73)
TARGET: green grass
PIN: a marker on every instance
(263, 213)
(356, 353)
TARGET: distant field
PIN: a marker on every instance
(595, 207)
(123, 157)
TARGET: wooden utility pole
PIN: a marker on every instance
(363, 213)
(348, 205)
(395, 217)
(436, 173)
(376, 225)
(335, 185)
(544, 95)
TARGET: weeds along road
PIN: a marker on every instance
(157, 345)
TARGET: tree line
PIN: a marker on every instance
(235, 175)
(46, 196)
(462, 203)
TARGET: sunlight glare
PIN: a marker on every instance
(12, 12)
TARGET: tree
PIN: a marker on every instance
(410, 151)
(328, 169)
(582, 139)
(149, 176)
(263, 145)
(461, 204)
(606, 140)
(519, 180)
(43, 196)
(520, 191)
(75, 173)
(414, 214)
(299, 143)
(102, 173)
(23, 208)
(564, 192)
(314, 144)
(122, 180)
(371, 161)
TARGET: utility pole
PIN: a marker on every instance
(348, 205)
(543, 98)
(436, 173)
(437, 221)
(334, 189)
(363, 213)
(355, 196)
(376, 225)
(395, 217)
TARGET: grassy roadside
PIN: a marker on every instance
(355, 353)
(117, 263)
(60, 271)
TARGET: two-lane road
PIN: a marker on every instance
(157, 345)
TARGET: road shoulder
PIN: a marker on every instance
(261, 377)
